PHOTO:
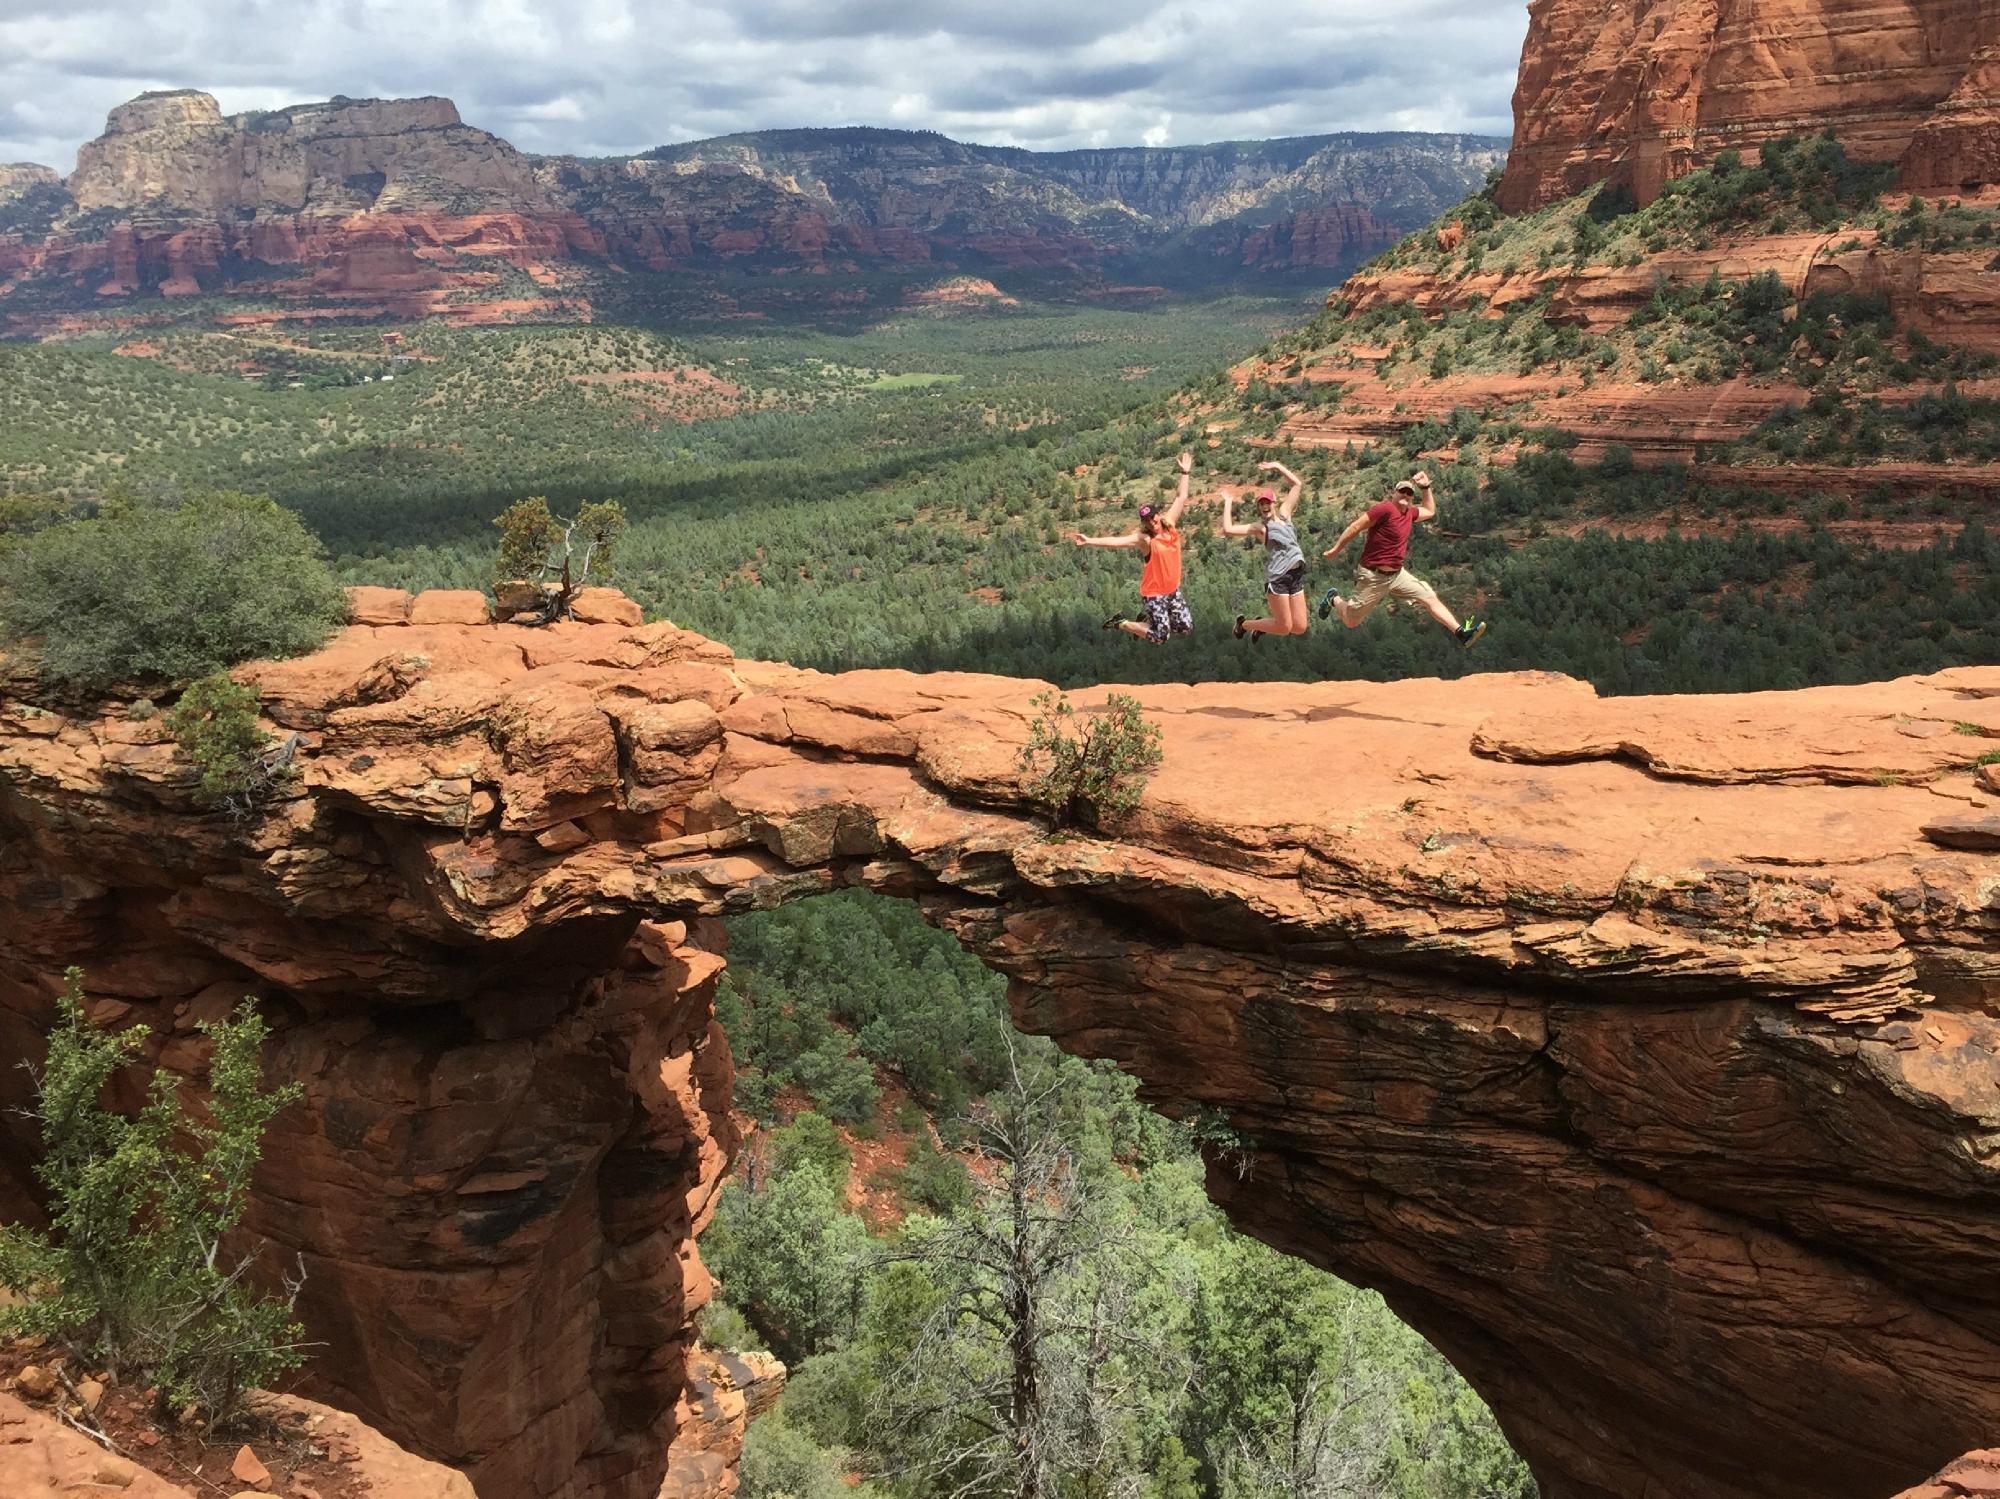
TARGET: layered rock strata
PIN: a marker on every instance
(1944, 295)
(1642, 93)
(395, 206)
(1641, 1051)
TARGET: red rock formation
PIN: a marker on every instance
(1334, 236)
(725, 1393)
(1641, 1051)
(1974, 1476)
(1642, 93)
(40, 1458)
(1944, 295)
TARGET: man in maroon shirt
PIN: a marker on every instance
(1381, 573)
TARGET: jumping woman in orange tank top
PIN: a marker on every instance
(1158, 541)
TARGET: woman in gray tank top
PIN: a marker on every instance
(1284, 561)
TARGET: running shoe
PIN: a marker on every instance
(1326, 604)
(1114, 622)
(1470, 631)
(1240, 631)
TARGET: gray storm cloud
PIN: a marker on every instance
(601, 77)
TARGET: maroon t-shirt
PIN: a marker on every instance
(1388, 536)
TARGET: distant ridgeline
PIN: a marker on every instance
(395, 207)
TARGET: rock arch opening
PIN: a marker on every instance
(1640, 1052)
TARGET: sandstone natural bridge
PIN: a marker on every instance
(1641, 1051)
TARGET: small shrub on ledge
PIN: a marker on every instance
(135, 1276)
(215, 725)
(1093, 776)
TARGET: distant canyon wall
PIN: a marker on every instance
(398, 206)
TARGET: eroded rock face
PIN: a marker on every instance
(1645, 92)
(1640, 1051)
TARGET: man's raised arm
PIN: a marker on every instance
(1354, 529)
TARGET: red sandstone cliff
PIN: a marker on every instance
(1643, 92)
(1641, 1051)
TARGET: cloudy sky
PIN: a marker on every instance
(614, 76)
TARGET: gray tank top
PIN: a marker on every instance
(1283, 554)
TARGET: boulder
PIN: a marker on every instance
(449, 606)
(378, 606)
(605, 606)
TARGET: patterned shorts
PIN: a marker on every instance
(1168, 614)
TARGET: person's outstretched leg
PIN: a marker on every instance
(1441, 614)
(1350, 612)
(1465, 631)
(1273, 622)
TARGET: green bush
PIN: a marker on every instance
(810, 1140)
(215, 725)
(143, 594)
(933, 1179)
(782, 1462)
(136, 1277)
(1096, 776)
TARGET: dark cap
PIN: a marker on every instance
(1147, 512)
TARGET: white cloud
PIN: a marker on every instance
(609, 76)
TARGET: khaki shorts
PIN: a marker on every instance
(1371, 587)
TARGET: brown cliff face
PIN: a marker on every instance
(1640, 1051)
(1643, 93)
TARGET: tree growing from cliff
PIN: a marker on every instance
(136, 1277)
(1095, 774)
(215, 725)
(145, 593)
(557, 555)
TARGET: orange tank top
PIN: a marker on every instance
(1163, 564)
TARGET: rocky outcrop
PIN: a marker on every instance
(40, 1458)
(725, 1393)
(174, 156)
(1640, 1051)
(396, 206)
(1943, 295)
(1642, 93)
(1974, 1476)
